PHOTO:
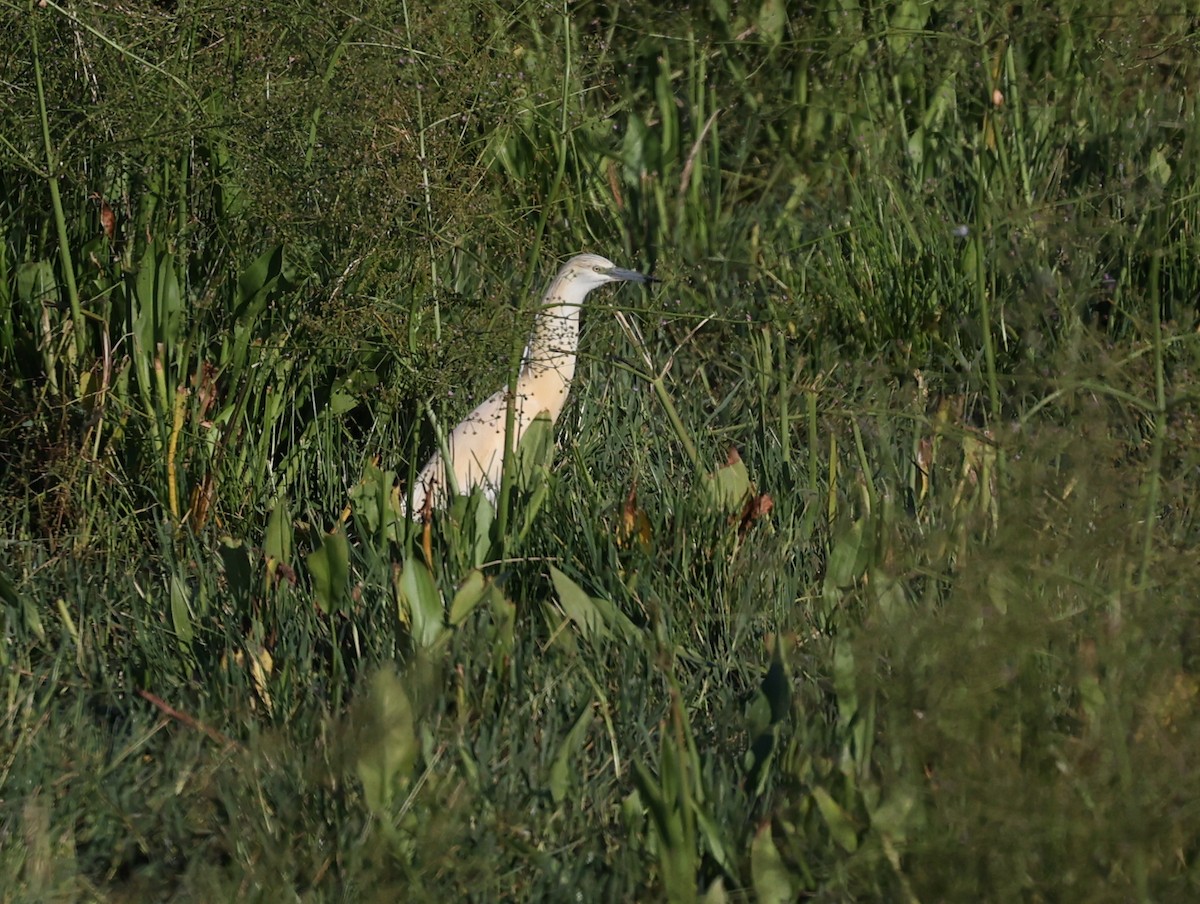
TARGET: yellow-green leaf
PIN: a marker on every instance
(773, 882)
(561, 773)
(470, 594)
(420, 604)
(729, 485)
(841, 826)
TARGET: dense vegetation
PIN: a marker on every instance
(865, 568)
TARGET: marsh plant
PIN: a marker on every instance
(859, 566)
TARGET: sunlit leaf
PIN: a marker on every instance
(634, 525)
(714, 838)
(370, 499)
(773, 882)
(535, 450)
(562, 775)
(715, 893)
(261, 667)
(159, 300)
(1159, 170)
(485, 516)
(840, 825)
(420, 603)
(893, 817)
(277, 544)
(470, 594)
(772, 19)
(729, 485)
(905, 24)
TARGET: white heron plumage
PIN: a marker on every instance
(476, 445)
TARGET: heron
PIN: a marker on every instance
(476, 445)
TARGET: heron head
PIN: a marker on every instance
(592, 270)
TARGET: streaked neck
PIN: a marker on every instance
(555, 339)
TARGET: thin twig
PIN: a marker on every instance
(189, 721)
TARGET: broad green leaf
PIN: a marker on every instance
(254, 289)
(715, 893)
(485, 515)
(340, 402)
(239, 573)
(561, 773)
(277, 544)
(905, 25)
(634, 145)
(892, 818)
(772, 19)
(181, 617)
(578, 606)
(159, 300)
(729, 485)
(943, 103)
(535, 451)
(847, 558)
(32, 618)
(841, 826)
(8, 590)
(651, 797)
(384, 740)
(504, 619)
(668, 115)
(845, 682)
(256, 282)
(36, 283)
(1159, 170)
(1002, 587)
(890, 594)
(773, 882)
(369, 500)
(470, 594)
(330, 569)
(420, 604)
(1092, 698)
(533, 505)
(614, 618)
(633, 815)
(713, 839)
(673, 842)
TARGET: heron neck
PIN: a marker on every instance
(554, 342)
(549, 363)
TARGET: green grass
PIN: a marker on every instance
(930, 270)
